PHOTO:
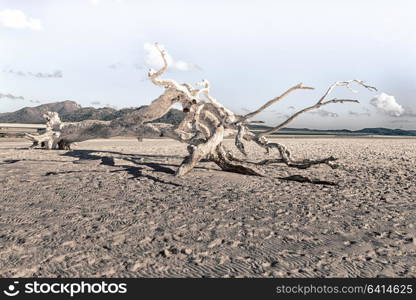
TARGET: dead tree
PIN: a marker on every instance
(204, 127)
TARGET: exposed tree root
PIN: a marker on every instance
(201, 151)
(203, 129)
(227, 162)
(303, 164)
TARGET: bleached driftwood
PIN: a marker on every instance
(204, 127)
(50, 137)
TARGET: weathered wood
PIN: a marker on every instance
(50, 137)
(203, 129)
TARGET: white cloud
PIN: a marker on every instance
(55, 74)
(325, 113)
(11, 97)
(16, 19)
(116, 65)
(155, 61)
(153, 58)
(98, 2)
(365, 112)
(184, 66)
(387, 104)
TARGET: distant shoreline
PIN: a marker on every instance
(273, 137)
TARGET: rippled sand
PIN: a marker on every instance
(113, 208)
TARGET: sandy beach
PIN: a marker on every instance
(113, 208)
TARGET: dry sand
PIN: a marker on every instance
(113, 208)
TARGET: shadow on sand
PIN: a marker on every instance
(160, 167)
(137, 159)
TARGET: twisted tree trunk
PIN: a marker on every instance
(203, 129)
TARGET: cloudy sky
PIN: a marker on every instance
(97, 53)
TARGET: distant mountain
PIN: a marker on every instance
(386, 131)
(89, 113)
(173, 116)
(70, 111)
(34, 114)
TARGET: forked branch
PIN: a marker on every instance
(205, 125)
(320, 103)
(169, 83)
(273, 101)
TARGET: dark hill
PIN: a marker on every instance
(70, 111)
(34, 114)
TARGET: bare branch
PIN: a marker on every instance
(239, 139)
(228, 114)
(274, 100)
(227, 162)
(169, 83)
(153, 75)
(321, 103)
(291, 118)
(347, 85)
